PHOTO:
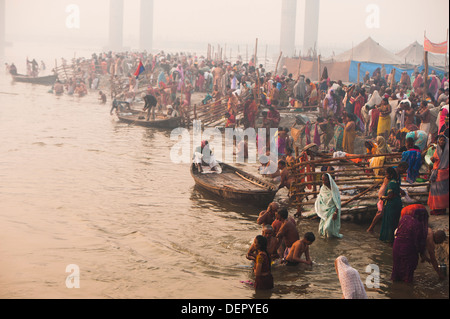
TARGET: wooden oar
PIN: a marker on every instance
(248, 180)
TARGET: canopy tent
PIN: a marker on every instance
(369, 51)
(370, 56)
(310, 69)
(414, 55)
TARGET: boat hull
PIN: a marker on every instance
(229, 185)
(41, 80)
(134, 119)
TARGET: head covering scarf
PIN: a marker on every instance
(351, 284)
(375, 99)
(382, 147)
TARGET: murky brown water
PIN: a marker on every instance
(78, 187)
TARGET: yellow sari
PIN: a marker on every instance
(382, 148)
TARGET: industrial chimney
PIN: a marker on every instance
(2, 27)
(288, 17)
(312, 8)
(146, 31)
(116, 25)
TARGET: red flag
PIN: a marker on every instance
(439, 48)
(139, 70)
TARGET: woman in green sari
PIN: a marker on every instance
(392, 206)
(328, 208)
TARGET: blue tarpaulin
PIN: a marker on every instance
(371, 67)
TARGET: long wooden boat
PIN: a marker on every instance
(135, 117)
(235, 184)
(41, 80)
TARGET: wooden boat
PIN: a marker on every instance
(135, 117)
(41, 80)
(235, 184)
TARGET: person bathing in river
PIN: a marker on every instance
(328, 208)
(272, 245)
(268, 216)
(262, 268)
(299, 248)
(288, 232)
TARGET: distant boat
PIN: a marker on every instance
(40, 80)
(235, 184)
(139, 118)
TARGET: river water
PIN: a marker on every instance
(77, 187)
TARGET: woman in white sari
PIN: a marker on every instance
(328, 208)
(350, 280)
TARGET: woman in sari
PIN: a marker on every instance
(382, 148)
(348, 142)
(328, 208)
(414, 159)
(392, 206)
(384, 122)
(350, 280)
(438, 201)
(262, 271)
(410, 241)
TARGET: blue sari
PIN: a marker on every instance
(414, 159)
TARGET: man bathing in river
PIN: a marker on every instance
(299, 248)
(268, 216)
(288, 232)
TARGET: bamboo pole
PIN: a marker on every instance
(425, 59)
(276, 67)
(361, 194)
(359, 71)
(328, 160)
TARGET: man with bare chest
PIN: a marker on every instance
(299, 248)
(288, 232)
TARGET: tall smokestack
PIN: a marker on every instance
(312, 8)
(116, 25)
(2, 27)
(146, 32)
(288, 17)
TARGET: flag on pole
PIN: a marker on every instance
(139, 70)
(439, 48)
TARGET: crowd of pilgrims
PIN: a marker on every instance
(408, 116)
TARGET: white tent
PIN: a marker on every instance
(369, 51)
(414, 54)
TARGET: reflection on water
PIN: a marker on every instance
(79, 187)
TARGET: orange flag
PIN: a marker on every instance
(439, 48)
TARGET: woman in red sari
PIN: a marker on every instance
(262, 268)
(410, 242)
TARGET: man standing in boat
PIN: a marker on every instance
(150, 105)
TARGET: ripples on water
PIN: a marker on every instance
(78, 187)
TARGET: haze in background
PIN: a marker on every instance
(194, 23)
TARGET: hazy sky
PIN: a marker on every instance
(342, 22)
